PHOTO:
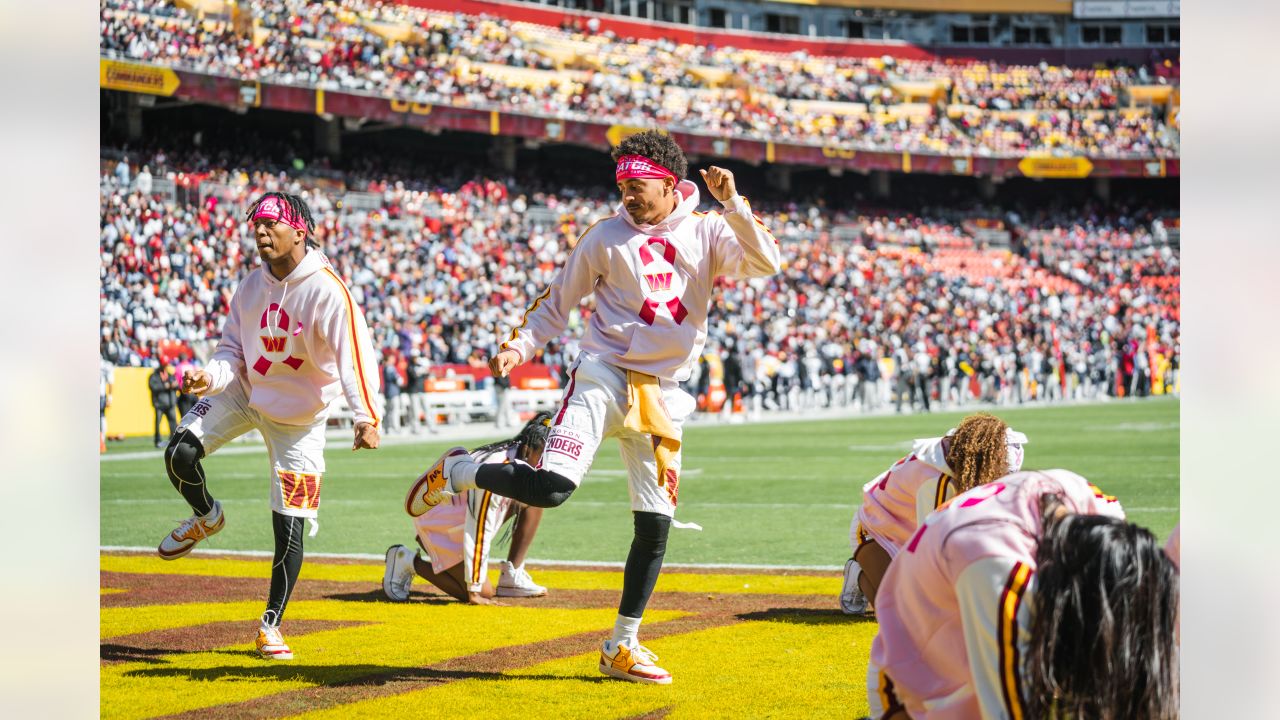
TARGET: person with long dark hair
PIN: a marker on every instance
(457, 536)
(894, 503)
(1027, 597)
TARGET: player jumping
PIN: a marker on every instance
(457, 535)
(651, 266)
(293, 341)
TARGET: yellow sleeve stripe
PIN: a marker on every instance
(1007, 640)
(355, 346)
(940, 496)
(477, 560)
(524, 319)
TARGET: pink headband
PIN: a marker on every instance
(273, 208)
(639, 166)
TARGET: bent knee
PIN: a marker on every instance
(184, 449)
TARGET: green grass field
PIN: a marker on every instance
(770, 494)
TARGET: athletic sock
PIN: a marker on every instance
(462, 476)
(625, 631)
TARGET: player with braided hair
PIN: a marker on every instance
(1027, 597)
(980, 450)
(293, 341)
(457, 536)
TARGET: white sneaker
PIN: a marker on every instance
(852, 601)
(399, 573)
(636, 664)
(192, 530)
(435, 486)
(515, 582)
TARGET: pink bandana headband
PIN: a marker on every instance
(273, 208)
(639, 166)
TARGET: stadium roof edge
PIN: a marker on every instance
(774, 42)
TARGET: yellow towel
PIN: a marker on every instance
(647, 413)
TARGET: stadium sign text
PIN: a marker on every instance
(1054, 167)
(150, 79)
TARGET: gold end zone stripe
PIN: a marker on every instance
(940, 496)
(477, 559)
(355, 346)
(1007, 639)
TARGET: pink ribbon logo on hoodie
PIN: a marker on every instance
(276, 347)
(658, 273)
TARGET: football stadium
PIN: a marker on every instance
(854, 395)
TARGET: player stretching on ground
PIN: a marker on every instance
(457, 535)
(293, 341)
(982, 449)
(651, 267)
(1028, 597)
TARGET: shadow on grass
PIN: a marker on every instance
(377, 596)
(807, 616)
(338, 675)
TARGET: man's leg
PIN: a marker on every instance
(297, 467)
(211, 422)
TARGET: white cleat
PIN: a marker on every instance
(399, 573)
(515, 582)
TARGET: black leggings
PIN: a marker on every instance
(538, 488)
(285, 565)
(644, 562)
(182, 463)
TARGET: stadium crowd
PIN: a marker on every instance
(873, 307)
(430, 57)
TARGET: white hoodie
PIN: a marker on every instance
(296, 344)
(652, 284)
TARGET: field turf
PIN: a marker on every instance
(765, 494)
(177, 637)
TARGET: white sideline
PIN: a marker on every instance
(530, 561)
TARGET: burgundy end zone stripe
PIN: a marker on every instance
(564, 404)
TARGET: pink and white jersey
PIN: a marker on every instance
(297, 344)
(888, 512)
(652, 284)
(463, 529)
(953, 621)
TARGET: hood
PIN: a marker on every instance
(313, 262)
(929, 451)
(689, 202)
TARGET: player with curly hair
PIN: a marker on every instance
(652, 268)
(457, 536)
(1028, 597)
(293, 341)
(980, 450)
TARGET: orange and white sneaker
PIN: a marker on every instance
(271, 644)
(433, 487)
(636, 664)
(192, 530)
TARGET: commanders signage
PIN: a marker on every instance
(1055, 167)
(132, 77)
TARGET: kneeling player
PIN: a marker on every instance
(457, 535)
(982, 449)
(1029, 597)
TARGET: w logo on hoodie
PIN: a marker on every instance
(273, 344)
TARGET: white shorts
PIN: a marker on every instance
(593, 408)
(296, 451)
(440, 532)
